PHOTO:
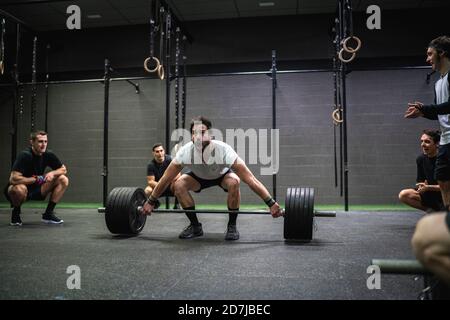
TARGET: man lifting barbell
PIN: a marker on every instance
(211, 163)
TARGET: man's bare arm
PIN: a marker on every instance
(244, 173)
(17, 177)
(169, 175)
(151, 182)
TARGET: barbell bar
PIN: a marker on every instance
(329, 214)
(123, 214)
(399, 266)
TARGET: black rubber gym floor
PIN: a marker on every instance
(157, 265)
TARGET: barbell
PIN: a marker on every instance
(434, 289)
(399, 266)
(123, 214)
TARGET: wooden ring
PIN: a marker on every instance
(161, 72)
(146, 61)
(336, 116)
(350, 49)
(346, 60)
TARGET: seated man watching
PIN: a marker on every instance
(28, 181)
(224, 169)
(156, 169)
(427, 195)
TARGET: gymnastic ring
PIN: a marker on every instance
(161, 72)
(346, 60)
(336, 116)
(146, 61)
(2, 68)
(350, 49)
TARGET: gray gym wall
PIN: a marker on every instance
(382, 145)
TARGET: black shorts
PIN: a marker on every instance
(205, 183)
(433, 200)
(442, 170)
(34, 193)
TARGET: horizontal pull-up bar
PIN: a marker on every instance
(135, 85)
(268, 73)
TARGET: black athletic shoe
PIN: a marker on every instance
(50, 218)
(15, 219)
(232, 232)
(191, 231)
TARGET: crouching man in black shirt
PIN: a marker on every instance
(427, 194)
(156, 169)
(29, 182)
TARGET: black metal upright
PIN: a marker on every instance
(47, 78)
(107, 78)
(274, 117)
(177, 78)
(337, 102)
(344, 137)
(184, 89)
(339, 33)
(334, 124)
(168, 78)
(343, 73)
(16, 102)
(344, 119)
(33, 87)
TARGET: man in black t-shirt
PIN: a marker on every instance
(156, 169)
(427, 194)
(28, 180)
